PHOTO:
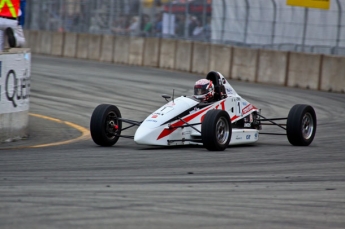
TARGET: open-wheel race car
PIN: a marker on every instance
(227, 119)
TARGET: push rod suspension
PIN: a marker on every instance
(270, 120)
(190, 125)
(272, 133)
(135, 123)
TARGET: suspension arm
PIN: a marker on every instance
(271, 121)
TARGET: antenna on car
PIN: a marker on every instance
(173, 95)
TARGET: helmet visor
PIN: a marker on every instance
(200, 89)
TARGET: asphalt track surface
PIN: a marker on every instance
(270, 184)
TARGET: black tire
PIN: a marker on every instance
(103, 119)
(301, 125)
(216, 130)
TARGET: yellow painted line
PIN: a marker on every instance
(85, 133)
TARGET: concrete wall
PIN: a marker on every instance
(121, 54)
(201, 58)
(70, 45)
(151, 52)
(57, 43)
(136, 50)
(82, 46)
(272, 67)
(183, 58)
(220, 59)
(244, 64)
(304, 70)
(167, 54)
(33, 41)
(45, 42)
(14, 126)
(333, 74)
(312, 71)
(107, 48)
(94, 46)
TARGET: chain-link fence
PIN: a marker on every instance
(251, 23)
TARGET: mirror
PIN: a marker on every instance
(166, 97)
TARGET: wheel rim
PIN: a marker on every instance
(307, 126)
(110, 122)
(222, 131)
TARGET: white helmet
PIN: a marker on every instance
(204, 89)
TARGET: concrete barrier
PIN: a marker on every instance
(183, 59)
(272, 67)
(293, 69)
(46, 42)
(201, 58)
(304, 70)
(14, 105)
(27, 38)
(94, 46)
(151, 52)
(136, 50)
(244, 64)
(34, 42)
(57, 43)
(70, 45)
(107, 48)
(167, 53)
(83, 46)
(121, 50)
(333, 74)
(220, 59)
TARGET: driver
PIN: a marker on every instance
(204, 90)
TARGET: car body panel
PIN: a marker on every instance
(171, 123)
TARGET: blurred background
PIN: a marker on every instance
(267, 24)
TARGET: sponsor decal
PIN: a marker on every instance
(238, 137)
(248, 136)
(244, 103)
(14, 83)
(17, 89)
(248, 108)
(229, 91)
(256, 135)
(247, 125)
(151, 120)
(154, 116)
(186, 133)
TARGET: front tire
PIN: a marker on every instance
(301, 125)
(105, 127)
(216, 130)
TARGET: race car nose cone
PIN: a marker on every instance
(147, 136)
(143, 136)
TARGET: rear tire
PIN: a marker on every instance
(102, 123)
(216, 130)
(301, 125)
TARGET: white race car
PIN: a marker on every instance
(228, 120)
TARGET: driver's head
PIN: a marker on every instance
(204, 90)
